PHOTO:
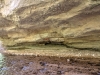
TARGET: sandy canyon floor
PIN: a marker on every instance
(52, 60)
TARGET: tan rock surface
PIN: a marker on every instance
(71, 22)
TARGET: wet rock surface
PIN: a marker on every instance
(48, 65)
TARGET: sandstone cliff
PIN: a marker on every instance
(74, 23)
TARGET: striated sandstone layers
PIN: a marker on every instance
(74, 23)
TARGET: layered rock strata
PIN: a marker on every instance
(74, 23)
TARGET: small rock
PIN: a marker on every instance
(42, 63)
(25, 68)
(60, 72)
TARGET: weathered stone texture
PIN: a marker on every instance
(75, 23)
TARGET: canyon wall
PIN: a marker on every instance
(74, 23)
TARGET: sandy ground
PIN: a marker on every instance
(58, 53)
(50, 61)
(48, 65)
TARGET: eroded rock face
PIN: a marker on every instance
(71, 22)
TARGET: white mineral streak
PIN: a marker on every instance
(10, 5)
